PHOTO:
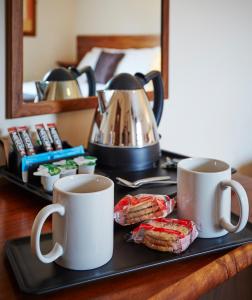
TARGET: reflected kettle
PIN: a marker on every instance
(124, 134)
(61, 83)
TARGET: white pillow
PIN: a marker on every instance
(84, 87)
(135, 60)
(29, 88)
(90, 58)
(140, 60)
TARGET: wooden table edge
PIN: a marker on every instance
(197, 283)
(210, 276)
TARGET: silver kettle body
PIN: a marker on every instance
(127, 120)
(125, 133)
(55, 90)
(61, 83)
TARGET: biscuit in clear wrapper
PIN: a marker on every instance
(166, 235)
(135, 209)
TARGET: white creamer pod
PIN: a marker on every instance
(65, 172)
(86, 169)
(48, 182)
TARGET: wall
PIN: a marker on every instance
(4, 123)
(67, 122)
(72, 121)
(59, 22)
(210, 103)
(118, 17)
(209, 108)
(54, 40)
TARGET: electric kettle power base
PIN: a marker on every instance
(126, 158)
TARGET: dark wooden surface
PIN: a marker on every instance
(238, 287)
(15, 106)
(186, 280)
(14, 56)
(165, 46)
(66, 64)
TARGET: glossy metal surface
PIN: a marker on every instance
(55, 90)
(144, 180)
(126, 120)
(151, 180)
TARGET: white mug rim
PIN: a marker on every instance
(181, 166)
(71, 177)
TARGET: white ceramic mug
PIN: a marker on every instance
(204, 196)
(82, 222)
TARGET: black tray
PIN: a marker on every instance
(156, 171)
(38, 278)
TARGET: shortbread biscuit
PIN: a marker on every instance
(134, 209)
(141, 205)
(161, 236)
(171, 235)
(158, 245)
(147, 216)
(172, 225)
(141, 212)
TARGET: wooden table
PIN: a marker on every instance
(185, 280)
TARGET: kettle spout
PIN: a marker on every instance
(41, 87)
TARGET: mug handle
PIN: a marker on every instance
(243, 203)
(39, 221)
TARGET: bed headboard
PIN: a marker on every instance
(87, 42)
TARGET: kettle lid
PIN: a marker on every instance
(124, 81)
(58, 74)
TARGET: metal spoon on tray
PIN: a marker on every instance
(143, 181)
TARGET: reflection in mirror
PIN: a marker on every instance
(16, 107)
(98, 38)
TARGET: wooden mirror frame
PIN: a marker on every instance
(15, 106)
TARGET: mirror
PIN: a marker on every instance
(81, 45)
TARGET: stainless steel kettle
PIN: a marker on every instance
(125, 134)
(61, 83)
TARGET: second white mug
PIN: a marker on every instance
(204, 196)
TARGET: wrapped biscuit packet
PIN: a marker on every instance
(138, 208)
(166, 235)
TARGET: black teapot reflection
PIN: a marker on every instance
(61, 83)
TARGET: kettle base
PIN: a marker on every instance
(125, 158)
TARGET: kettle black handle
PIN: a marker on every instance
(156, 78)
(90, 78)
